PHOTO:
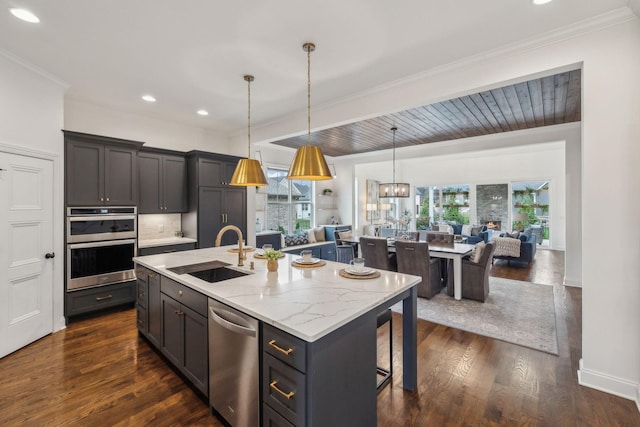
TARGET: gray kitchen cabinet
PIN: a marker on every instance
(165, 249)
(184, 331)
(97, 298)
(213, 203)
(215, 172)
(100, 170)
(162, 182)
(302, 385)
(148, 304)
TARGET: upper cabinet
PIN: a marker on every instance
(213, 203)
(162, 182)
(100, 170)
(214, 172)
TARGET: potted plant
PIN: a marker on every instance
(327, 192)
(272, 255)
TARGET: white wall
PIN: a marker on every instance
(31, 108)
(97, 120)
(607, 50)
(497, 166)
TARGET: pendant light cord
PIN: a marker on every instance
(394, 129)
(249, 115)
(309, 95)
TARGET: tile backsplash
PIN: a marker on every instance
(158, 226)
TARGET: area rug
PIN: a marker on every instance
(518, 312)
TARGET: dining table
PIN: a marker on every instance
(454, 253)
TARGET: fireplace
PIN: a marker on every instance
(492, 224)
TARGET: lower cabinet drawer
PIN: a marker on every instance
(281, 345)
(93, 299)
(184, 295)
(271, 418)
(284, 389)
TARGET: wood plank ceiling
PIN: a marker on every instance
(545, 101)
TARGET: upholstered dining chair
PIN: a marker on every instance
(339, 242)
(376, 255)
(440, 238)
(413, 258)
(475, 275)
(407, 235)
(344, 253)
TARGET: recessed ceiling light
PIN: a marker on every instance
(539, 2)
(203, 112)
(148, 98)
(24, 14)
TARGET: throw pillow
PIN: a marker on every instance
(513, 235)
(466, 230)
(319, 233)
(477, 252)
(311, 236)
(446, 228)
(295, 239)
(344, 234)
(527, 232)
(476, 229)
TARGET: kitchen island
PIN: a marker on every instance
(332, 318)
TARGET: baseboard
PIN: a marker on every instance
(576, 283)
(609, 384)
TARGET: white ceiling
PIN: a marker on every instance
(193, 54)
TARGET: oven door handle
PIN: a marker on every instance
(100, 218)
(100, 244)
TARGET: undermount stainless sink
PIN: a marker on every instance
(211, 271)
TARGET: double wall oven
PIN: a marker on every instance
(101, 244)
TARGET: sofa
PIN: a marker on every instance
(472, 236)
(527, 247)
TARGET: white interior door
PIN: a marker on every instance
(26, 227)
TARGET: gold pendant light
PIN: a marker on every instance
(394, 189)
(248, 172)
(309, 162)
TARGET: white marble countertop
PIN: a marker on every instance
(308, 303)
(165, 242)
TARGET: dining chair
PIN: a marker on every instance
(339, 242)
(407, 235)
(413, 258)
(344, 253)
(475, 275)
(376, 255)
(440, 238)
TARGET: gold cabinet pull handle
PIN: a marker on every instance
(103, 298)
(275, 387)
(287, 352)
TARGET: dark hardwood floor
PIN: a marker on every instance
(99, 372)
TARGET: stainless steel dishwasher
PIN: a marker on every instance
(234, 388)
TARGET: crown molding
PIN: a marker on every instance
(23, 63)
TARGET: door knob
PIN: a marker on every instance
(50, 255)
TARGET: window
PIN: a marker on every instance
(442, 203)
(289, 203)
